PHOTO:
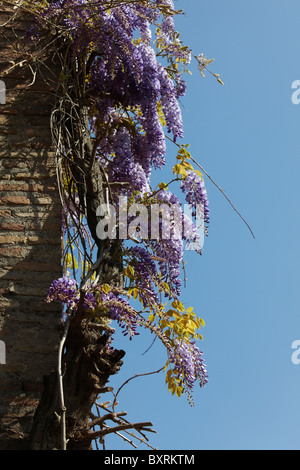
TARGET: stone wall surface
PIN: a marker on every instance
(30, 232)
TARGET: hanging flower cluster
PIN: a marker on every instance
(188, 365)
(125, 77)
(66, 290)
(134, 62)
(194, 188)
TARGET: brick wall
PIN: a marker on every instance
(30, 250)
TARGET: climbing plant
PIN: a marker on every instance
(122, 67)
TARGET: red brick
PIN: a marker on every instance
(39, 267)
(11, 251)
(5, 213)
(14, 186)
(16, 200)
(10, 239)
(12, 226)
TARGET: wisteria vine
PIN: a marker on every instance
(129, 63)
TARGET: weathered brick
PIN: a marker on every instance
(11, 239)
(49, 225)
(44, 201)
(14, 251)
(12, 226)
(32, 266)
(39, 240)
(30, 186)
(14, 186)
(17, 200)
(5, 213)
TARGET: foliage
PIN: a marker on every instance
(126, 62)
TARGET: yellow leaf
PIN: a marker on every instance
(105, 405)
(191, 330)
(170, 382)
(161, 115)
(188, 166)
(178, 305)
(171, 312)
(164, 323)
(106, 288)
(129, 271)
(70, 259)
(135, 293)
(177, 315)
(179, 170)
(169, 375)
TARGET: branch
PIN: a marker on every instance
(109, 416)
(143, 440)
(61, 389)
(93, 268)
(138, 426)
(135, 377)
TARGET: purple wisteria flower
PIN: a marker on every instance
(65, 290)
(124, 167)
(188, 364)
(125, 74)
(194, 188)
(145, 274)
(89, 302)
(120, 310)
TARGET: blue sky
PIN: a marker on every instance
(246, 135)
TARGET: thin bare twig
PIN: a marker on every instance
(132, 378)
(217, 186)
(224, 194)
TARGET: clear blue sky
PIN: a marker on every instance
(247, 136)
